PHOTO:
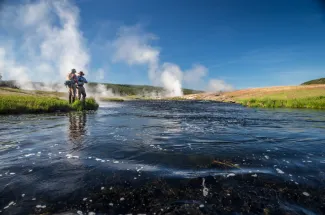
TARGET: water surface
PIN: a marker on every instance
(164, 157)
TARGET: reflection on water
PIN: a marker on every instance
(164, 157)
(77, 127)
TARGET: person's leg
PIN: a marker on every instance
(79, 93)
(74, 93)
(70, 95)
(83, 92)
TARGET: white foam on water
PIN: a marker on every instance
(102, 188)
(202, 206)
(30, 170)
(205, 189)
(41, 206)
(84, 199)
(231, 175)
(23, 195)
(11, 203)
(306, 194)
(111, 204)
(28, 155)
(91, 213)
(138, 170)
(12, 173)
(255, 175)
(79, 212)
(267, 157)
(116, 162)
(34, 199)
(279, 171)
(122, 199)
(72, 156)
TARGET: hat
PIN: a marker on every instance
(81, 73)
(73, 70)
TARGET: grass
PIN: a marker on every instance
(90, 104)
(17, 104)
(112, 99)
(309, 102)
(21, 104)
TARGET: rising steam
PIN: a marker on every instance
(43, 42)
(49, 45)
(133, 46)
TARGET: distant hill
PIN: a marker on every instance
(120, 89)
(316, 81)
(129, 90)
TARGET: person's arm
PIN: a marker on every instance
(85, 80)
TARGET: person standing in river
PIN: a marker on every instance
(81, 89)
(71, 84)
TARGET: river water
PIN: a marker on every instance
(164, 157)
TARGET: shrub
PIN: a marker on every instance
(90, 104)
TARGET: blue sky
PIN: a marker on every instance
(246, 43)
(251, 43)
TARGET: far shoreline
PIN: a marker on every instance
(17, 101)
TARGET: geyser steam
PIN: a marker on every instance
(48, 42)
(43, 42)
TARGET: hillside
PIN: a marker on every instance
(281, 92)
(132, 90)
(120, 89)
(316, 81)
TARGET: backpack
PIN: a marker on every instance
(68, 83)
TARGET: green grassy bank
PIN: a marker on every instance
(21, 104)
(309, 102)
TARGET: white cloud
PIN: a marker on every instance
(133, 47)
(216, 85)
(99, 75)
(194, 76)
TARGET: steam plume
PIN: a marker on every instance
(50, 42)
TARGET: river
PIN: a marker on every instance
(164, 157)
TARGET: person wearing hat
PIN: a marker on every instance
(81, 89)
(71, 83)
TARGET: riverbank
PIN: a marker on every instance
(311, 96)
(16, 101)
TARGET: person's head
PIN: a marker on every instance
(81, 73)
(73, 71)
